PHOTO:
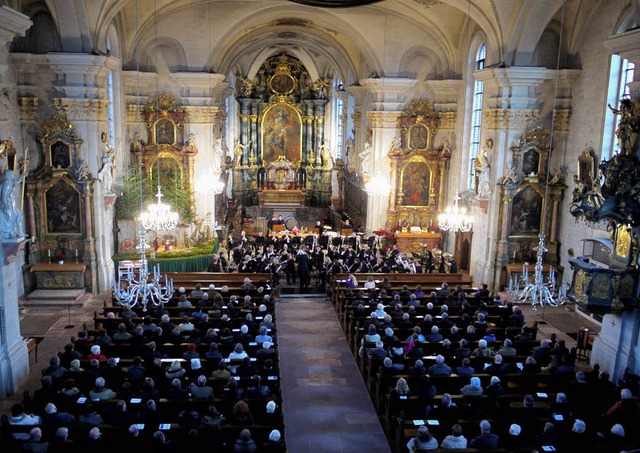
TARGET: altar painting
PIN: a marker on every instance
(416, 183)
(169, 169)
(165, 133)
(526, 212)
(281, 133)
(63, 209)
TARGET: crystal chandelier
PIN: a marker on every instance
(378, 186)
(135, 289)
(538, 291)
(455, 218)
(159, 216)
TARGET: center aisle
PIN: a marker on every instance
(325, 402)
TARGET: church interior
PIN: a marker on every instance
(149, 146)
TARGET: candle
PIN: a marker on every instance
(49, 253)
(76, 252)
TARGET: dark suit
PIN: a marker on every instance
(304, 267)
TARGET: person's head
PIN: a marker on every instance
(134, 430)
(446, 400)
(423, 434)
(561, 398)
(51, 409)
(158, 436)
(62, 433)
(626, 394)
(271, 407)
(94, 433)
(275, 436)
(618, 430)
(495, 380)
(579, 426)
(515, 429)
(485, 426)
(528, 401)
(35, 434)
(402, 387)
(475, 381)
(466, 362)
(456, 430)
(175, 366)
(497, 359)
(439, 359)
(482, 344)
(238, 349)
(99, 382)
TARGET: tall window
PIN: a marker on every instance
(110, 95)
(476, 114)
(620, 75)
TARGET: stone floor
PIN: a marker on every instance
(325, 402)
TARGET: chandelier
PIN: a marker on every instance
(538, 291)
(159, 216)
(135, 289)
(378, 186)
(455, 218)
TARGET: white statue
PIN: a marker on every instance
(10, 215)
(218, 153)
(483, 170)
(106, 174)
(365, 155)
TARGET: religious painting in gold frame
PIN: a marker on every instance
(60, 154)
(281, 133)
(419, 137)
(282, 84)
(526, 212)
(622, 245)
(170, 170)
(164, 132)
(416, 183)
(63, 209)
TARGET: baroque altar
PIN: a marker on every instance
(529, 204)
(417, 175)
(281, 146)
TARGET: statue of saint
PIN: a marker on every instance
(218, 153)
(325, 153)
(10, 215)
(365, 156)
(238, 151)
(628, 126)
(483, 170)
(106, 174)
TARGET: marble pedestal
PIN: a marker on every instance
(14, 356)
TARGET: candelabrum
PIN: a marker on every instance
(142, 290)
(538, 291)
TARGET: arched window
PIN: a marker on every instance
(620, 75)
(476, 114)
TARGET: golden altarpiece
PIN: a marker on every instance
(530, 197)
(167, 158)
(59, 209)
(417, 179)
(281, 155)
